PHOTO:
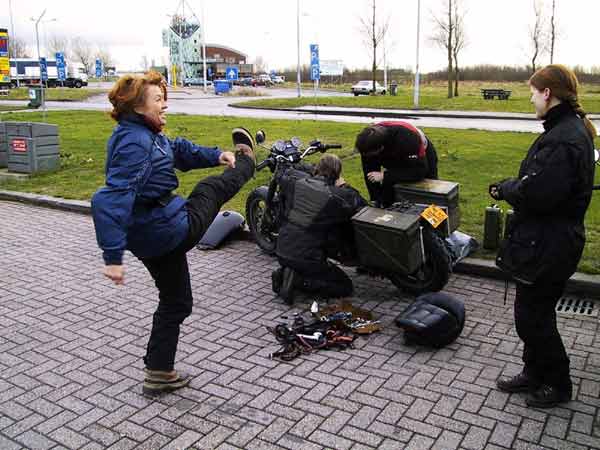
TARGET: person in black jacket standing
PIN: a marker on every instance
(391, 152)
(550, 197)
(317, 225)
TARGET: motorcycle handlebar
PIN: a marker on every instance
(262, 165)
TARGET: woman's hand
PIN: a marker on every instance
(115, 273)
(375, 177)
(227, 159)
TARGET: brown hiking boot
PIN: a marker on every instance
(158, 382)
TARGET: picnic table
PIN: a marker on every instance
(489, 94)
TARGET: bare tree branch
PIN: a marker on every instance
(459, 40)
(82, 53)
(444, 36)
(57, 44)
(373, 31)
(536, 34)
(17, 48)
(552, 32)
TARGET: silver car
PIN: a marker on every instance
(366, 87)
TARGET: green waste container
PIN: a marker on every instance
(35, 97)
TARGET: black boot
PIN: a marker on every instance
(518, 383)
(547, 396)
(287, 285)
(277, 280)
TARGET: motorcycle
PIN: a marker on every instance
(264, 215)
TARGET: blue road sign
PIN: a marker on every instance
(43, 69)
(98, 68)
(315, 70)
(60, 66)
(231, 73)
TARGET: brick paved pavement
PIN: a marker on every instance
(71, 347)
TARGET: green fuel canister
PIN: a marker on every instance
(492, 227)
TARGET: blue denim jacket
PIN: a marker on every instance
(139, 171)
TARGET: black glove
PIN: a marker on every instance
(495, 190)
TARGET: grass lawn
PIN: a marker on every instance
(472, 158)
(434, 97)
(56, 94)
(12, 107)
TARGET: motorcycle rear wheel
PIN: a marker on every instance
(434, 274)
(256, 206)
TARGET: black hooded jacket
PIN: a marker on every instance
(550, 198)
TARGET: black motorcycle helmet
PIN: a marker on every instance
(435, 319)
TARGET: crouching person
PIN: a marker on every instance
(137, 210)
(317, 225)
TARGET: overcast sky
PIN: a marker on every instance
(497, 30)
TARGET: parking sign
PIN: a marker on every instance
(98, 68)
(60, 66)
(43, 69)
(314, 62)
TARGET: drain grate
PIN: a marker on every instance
(577, 306)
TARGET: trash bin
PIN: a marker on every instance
(222, 86)
(35, 97)
(394, 88)
(3, 146)
(32, 147)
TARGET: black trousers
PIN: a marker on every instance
(325, 279)
(170, 271)
(544, 354)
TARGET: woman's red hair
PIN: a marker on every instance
(130, 91)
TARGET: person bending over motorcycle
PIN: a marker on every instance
(317, 224)
(391, 152)
(137, 210)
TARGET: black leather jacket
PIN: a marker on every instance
(317, 218)
(550, 198)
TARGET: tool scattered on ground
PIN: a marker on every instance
(334, 326)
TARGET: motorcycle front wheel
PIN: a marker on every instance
(433, 274)
(256, 206)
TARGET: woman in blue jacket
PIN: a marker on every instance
(138, 211)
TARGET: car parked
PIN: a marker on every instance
(277, 79)
(263, 80)
(366, 87)
(245, 81)
(196, 82)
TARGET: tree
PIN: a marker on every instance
(57, 44)
(260, 66)
(459, 41)
(144, 63)
(17, 48)
(443, 36)
(552, 32)
(105, 58)
(374, 32)
(536, 35)
(82, 53)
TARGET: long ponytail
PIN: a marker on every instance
(563, 84)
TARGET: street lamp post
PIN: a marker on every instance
(298, 80)
(37, 39)
(416, 97)
(12, 31)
